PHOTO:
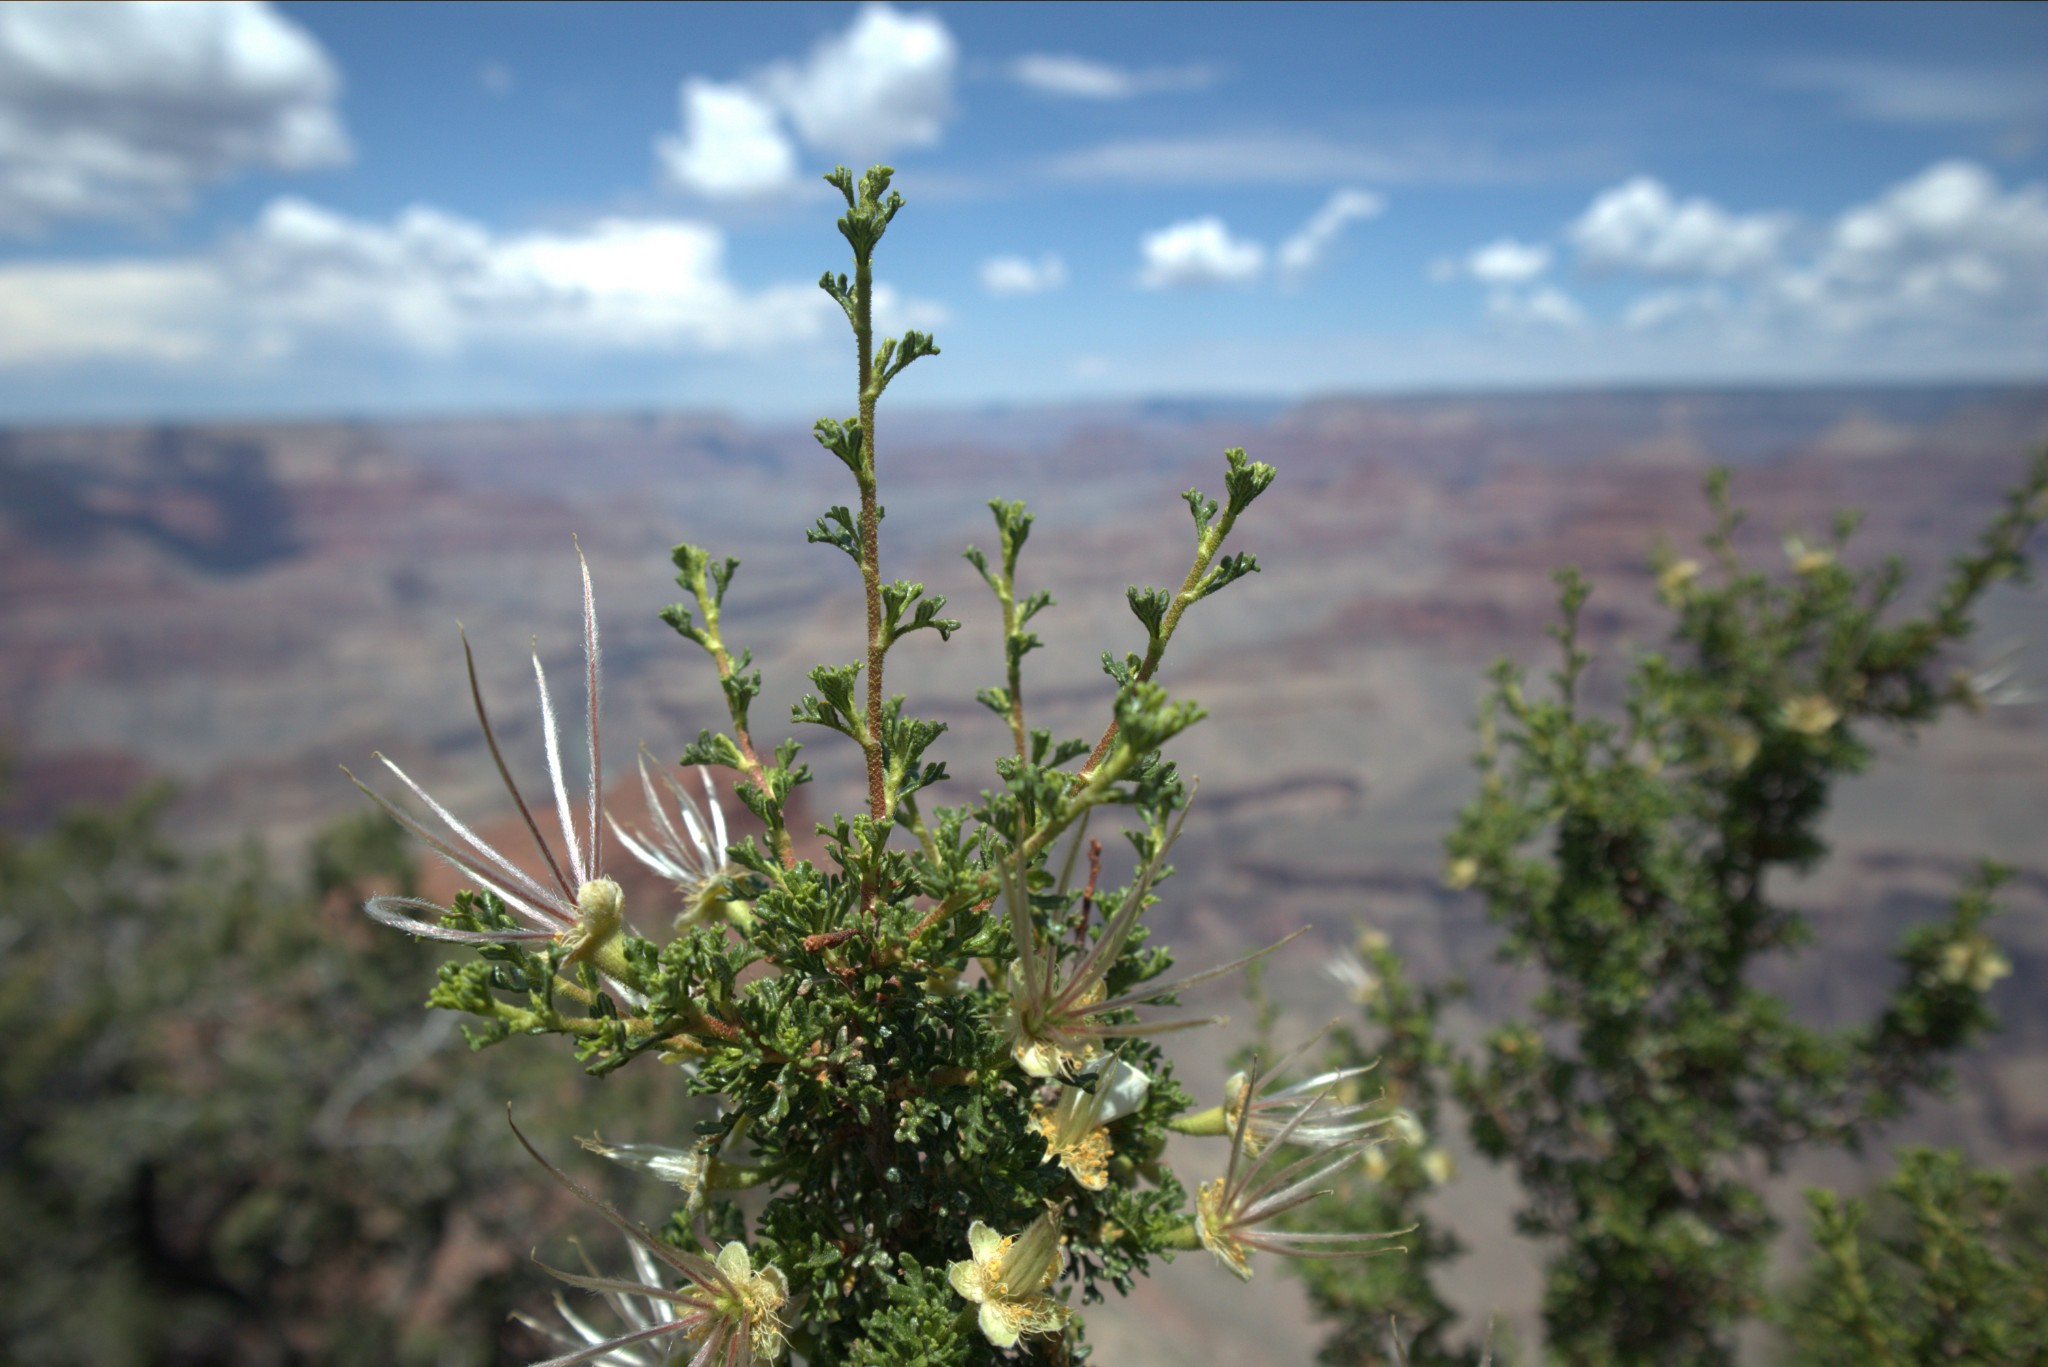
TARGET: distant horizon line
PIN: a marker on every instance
(1189, 404)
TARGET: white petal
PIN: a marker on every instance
(1123, 1089)
(983, 1241)
(966, 1279)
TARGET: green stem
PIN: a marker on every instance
(1206, 546)
(879, 796)
(1094, 790)
(1092, 787)
(750, 759)
(870, 540)
(919, 829)
(1006, 593)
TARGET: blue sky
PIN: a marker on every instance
(324, 209)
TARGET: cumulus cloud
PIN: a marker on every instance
(63, 313)
(1307, 248)
(1196, 253)
(1640, 226)
(1948, 244)
(1201, 252)
(427, 283)
(1504, 261)
(1950, 205)
(1064, 76)
(114, 110)
(1946, 258)
(731, 145)
(1947, 255)
(435, 284)
(883, 85)
(1014, 275)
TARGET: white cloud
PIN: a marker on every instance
(1908, 93)
(1013, 275)
(884, 84)
(1501, 262)
(1065, 76)
(63, 313)
(426, 283)
(1945, 247)
(1504, 261)
(1639, 226)
(1198, 252)
(1950, 205)
(1305, 250)
(125, 110)
(495, 78)
(731, 145)
(1945, 260)
(1548, 306)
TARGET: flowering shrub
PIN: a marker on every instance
(933, 1056)
(1634, 856)
(1952, 1267)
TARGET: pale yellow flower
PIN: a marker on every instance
(1233, 1212)
(1739, 743)
(1007, 1278)
(1075, 1124)
(576, 906)
(1308, 1113)
(1810, 714)
(727, 1311)
(1360, 983)
(693, 857)
(757, 1300)
(1805, 558)
(1975, 962)
(1675, 578)
(1053, 1015)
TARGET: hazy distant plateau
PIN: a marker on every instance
(240, 608)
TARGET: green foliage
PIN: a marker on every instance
(935, 1028)
(1951, 1267)
(224, 1137)
(1628, 854)
(919, 1327)
(1649, 904)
